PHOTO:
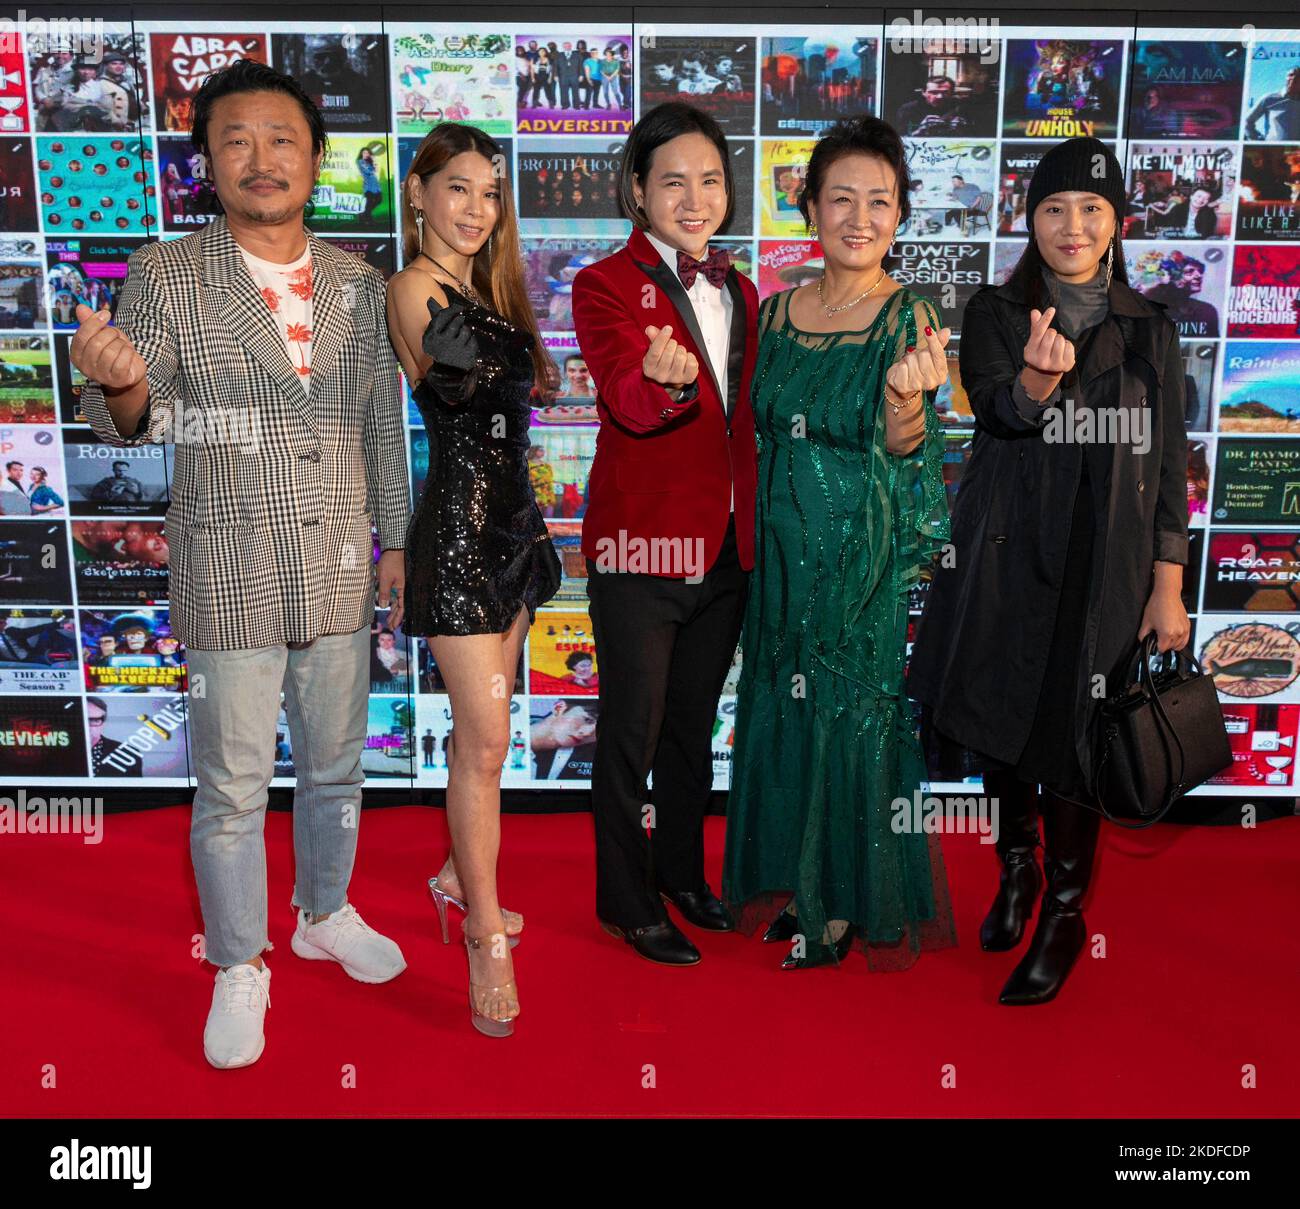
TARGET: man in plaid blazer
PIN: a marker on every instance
(262, 353)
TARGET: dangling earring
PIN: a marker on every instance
(419, 224)
(1110, 261)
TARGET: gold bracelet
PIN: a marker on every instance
(895, 408)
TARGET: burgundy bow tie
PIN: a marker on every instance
(714, 266)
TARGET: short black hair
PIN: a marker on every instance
(250, 76)
(857, 136)
(661, 125)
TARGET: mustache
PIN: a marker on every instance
(257, 180)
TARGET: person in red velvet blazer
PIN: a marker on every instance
(669, 332)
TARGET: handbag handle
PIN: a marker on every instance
(1146, 650)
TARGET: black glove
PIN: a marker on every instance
(448, 339)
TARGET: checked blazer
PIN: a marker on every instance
(273, 490)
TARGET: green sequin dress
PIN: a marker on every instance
(825, 740)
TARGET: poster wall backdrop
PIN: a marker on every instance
(95, 158)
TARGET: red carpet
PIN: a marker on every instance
(1201, 978)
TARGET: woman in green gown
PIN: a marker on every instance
(851, 505)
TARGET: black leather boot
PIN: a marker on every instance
(1004, 926)
(1069, 847)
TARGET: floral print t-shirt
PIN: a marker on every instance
(286, 289)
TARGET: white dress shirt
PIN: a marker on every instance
(712, 308)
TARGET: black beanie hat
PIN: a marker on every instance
(1078, 165)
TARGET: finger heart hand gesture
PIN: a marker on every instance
(922, 368)
(1047, 351)
(103, 353)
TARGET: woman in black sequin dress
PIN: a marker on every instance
(479, 560)
(478, 549)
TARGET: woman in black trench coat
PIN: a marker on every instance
(1070, 537)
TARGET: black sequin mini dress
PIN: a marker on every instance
(477, 548)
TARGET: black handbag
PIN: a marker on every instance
(1162, 734)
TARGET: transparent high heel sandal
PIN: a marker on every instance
(489, 1026)
(440, 900)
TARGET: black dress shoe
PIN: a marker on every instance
(663, 943)
(821, 955)
(784, 927)
(701, 908)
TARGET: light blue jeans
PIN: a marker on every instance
(233, 708)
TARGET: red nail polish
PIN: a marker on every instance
(929, 331)
(911, 348)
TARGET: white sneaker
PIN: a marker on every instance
(346, 938)
(233, 1035)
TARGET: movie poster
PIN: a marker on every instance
(1058, 88)
(559, 462)
(388, 750)
(15, 117)
(569, 179)
(1262, 739)
(22, 296)
(26, 380)
(574, 399)
(1255, 660)
(1261, 387)
(1268, 194)
(342, 73)
(784, 166)
(1255, 571)
(17, 185)
(134, 736)
(445, 74)
(131, 652)
(784, 264)
(31, 472)
(1265, 297)
(1273, 94)
(561, 737)
(1188, 279)
(120, 562)
(354, 188)
(90, 271)
(181, 63)
(948, 90)
(573, 83)
(76, 91)
(34, 562)
(562, 654)
(42, 735)
(810, 82)
(107, 480)
(1180, 191)
(946, 272)
(1200, 453)
(716, 73)
(38, 651)
(187, 197)
(952, 189)
(1189, 90)
(1199, 360)
(550, 265)
(1257, 481)
(96, 185)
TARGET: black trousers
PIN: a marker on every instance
(663, 647)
